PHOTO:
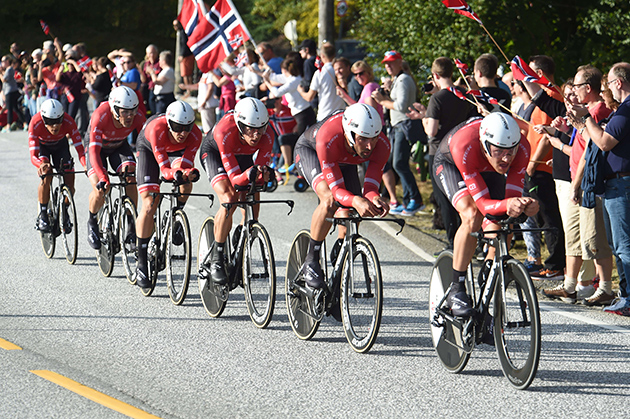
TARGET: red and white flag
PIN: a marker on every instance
(481, 95)
(462, 66)
(521, 71)
(215, 34)
(462, 8)
(84, 63)
(189, 15)
(241, 60)
(457, 93)
(44, 26)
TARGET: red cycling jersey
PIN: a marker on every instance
(39, 134)
(229, 143)
(157, 134)
(104, 134)
(467, 155)
(330, 143)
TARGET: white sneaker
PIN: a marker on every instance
(584, 292)
(616, 305)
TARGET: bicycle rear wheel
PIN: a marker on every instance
(178, 257)
(361, 296)
(517, 325)
(48, 238)
(453, 358)
(212, 299)
(68, 224)
(127, 235)
(298, 304)
(259, 276)
(105, 255)
(152, 262)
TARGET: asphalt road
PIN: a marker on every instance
(146, 356)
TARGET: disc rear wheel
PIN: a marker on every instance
(212, 295)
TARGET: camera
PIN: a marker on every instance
(270, 103)
(382, 91)
(428, 86)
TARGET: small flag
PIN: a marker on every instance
(241, 60)
(463, 67)
(521, 71)
(462, 8)
(457, 92)
(481, 95)
(84, 63)
(318, 63)
(45, 27)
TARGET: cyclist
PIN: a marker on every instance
(480, 166)
(327, 155)
(47, 133)
(110, 125)
(227, 157)
(167, 145)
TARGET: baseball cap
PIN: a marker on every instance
(391, 56)
(309, 44)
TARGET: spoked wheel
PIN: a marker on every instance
(105, 255)
(68, 224)
(49, 237)
(517, 326)
(212, 295)
(259, 276)
(444, 333)
(361, 296)
(302, 324)
(152, 264)
(127, 234)
(178, 255)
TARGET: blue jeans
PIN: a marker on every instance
(400, 154)
(617, 204)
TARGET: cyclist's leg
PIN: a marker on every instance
(125, 162)
(95, 202)
(148, 173)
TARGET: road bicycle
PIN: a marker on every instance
(353, 292)
(170, 246)
(62, 216)
(506, 311)
(117, 228)
(250, 261)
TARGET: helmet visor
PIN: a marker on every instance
(499, 152)
(249, 131)
(176, 127)
(51, 121)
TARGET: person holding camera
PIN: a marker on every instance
(401, 97)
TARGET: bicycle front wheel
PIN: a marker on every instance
(68, 224)
(361, 296)
(517, 325)
(447, 338)
(213, 301)
(178, 257)
(298, 305)
(105, 255)
(127, 235)
(259, 276)
(48, 237)
(152, 263)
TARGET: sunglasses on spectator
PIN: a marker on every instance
(360, 73)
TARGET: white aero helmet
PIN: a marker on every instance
(122, 97)
(180, 116)
(361, 119)
(250, 112)
(500, 130)
(52, 112)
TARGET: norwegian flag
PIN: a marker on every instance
(457, 93)
(44, 26)
(318, 63)
(189, 15)
(84, 63)
(216, 30)
(463, 67)
(481, 95)
(521, 71)
(236, 42)
(462, 8)
(241, 60)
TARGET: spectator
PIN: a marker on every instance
(49, 67)
(585, 232)
(151, 60)
(308, 52)
(323, 85)
(402, 96)
(207, 100)
(100, 81)
(71, 79)
(224, 81)
(265, 50)
(485, 73)
(186, 58)
(539, 180)
(614, 141)
(164, 89)
(345, 79)
(11, 94)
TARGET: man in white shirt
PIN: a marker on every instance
(324, 84)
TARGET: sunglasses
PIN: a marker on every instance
(176, 127)
(52, 122)
(249, 131)
(360, 73)
(125, 113)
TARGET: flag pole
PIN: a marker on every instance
(495, 43)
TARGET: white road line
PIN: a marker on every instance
(406, 242)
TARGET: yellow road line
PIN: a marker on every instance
(95, 396)
(5, 344)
